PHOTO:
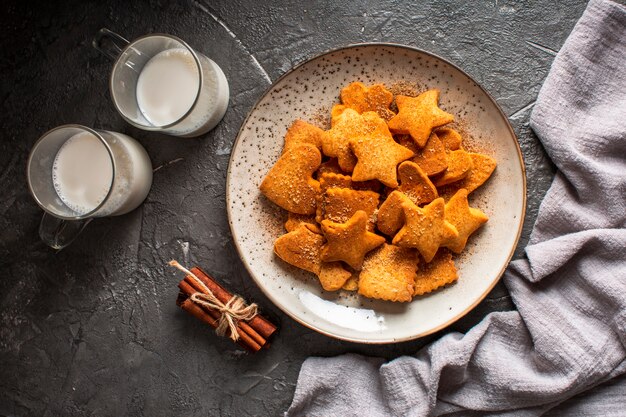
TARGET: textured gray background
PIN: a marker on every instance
(93, 329)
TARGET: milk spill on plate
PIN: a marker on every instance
(168, 86)
(360, 319)
(82, 173)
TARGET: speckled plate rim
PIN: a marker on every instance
(275, 300)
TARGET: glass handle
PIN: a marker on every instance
(58, 233)
(109, 43)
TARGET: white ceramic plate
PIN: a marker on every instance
(308, 91)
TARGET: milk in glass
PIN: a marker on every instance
(85, 175)
(169, 92)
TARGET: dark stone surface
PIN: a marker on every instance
(93, 329)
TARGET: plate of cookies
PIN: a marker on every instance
(376, 193)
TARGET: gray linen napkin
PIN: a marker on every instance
(569, 333)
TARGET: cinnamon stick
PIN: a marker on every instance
(211, 317)
(242, 325)
(261, 325)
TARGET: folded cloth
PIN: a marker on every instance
(569, 331)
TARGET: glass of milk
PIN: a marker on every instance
(160, 83)
(76, 174)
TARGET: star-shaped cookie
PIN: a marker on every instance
(415, 183)
(378, 155)
(350, 241)
(418, 116)
(335, 141)
(363, 99)
(466, 220)
(425, 229)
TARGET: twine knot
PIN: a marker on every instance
(230, 313)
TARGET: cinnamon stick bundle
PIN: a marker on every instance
(253, 334)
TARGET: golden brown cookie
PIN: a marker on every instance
(390, 217)
(432, 157)
(333, 275)
(482, 168)
(331, 180)
(340, 204)
(450, 138)
(303, 132)
(459, 166)
(330, 166)
(295, 220)
(336, 112)
(415, 184)
(363, 99)
(350, 241)
(290, 183)
(418, 116)
(464, 218)
(435, 274)
(300, 248)
(378, 155)
(425, 229)
(335, 141)
(389, 274)
(352, 284)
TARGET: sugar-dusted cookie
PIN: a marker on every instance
(425, 229)
(459, 166)
(301, 248)
(340, 204)
(363, 99)
(432, 157)
(350, 241)
(352, 284)
(482, 168)
(303, 132)
(465, 218)
(378, 155)
(389, 274)
(418, 116)
(331, 180)
(450, 138)
(295, 220)
(331, 166)
(435, 274)
(333, 275)
(335, 141)
(290, 183)
(336, 112)
(390, 217)
(415, 183)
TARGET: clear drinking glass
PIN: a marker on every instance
(184, 93)
(76, 174)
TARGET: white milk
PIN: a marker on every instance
(168, 86)
(83, 174)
